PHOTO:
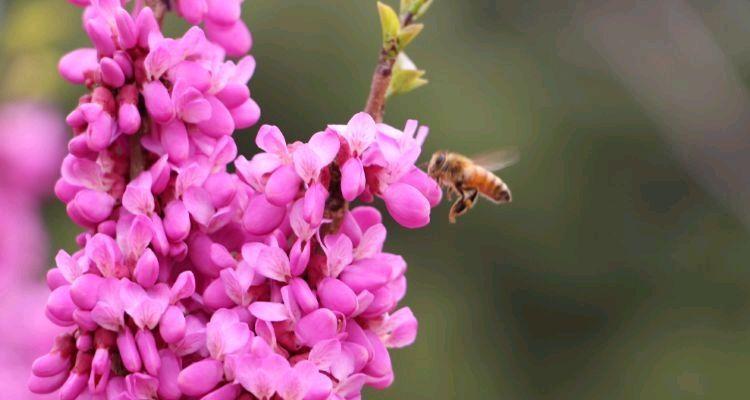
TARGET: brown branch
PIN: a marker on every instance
(381, 77)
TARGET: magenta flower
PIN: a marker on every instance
(195, 282)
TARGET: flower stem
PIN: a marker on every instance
(381, 77)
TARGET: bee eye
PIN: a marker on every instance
(440, 160)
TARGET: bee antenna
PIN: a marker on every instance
(424, 164)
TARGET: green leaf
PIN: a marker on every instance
(404, 81)
(419, 9)
(389, 23)
(408, 34)
(406, 77)
(406, 6)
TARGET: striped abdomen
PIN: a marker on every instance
(489, 185)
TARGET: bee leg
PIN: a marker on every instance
(463, 204)
(451, 192)
(470, 197)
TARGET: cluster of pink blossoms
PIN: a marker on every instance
(25, 128)
(196, 283)
(221, 21)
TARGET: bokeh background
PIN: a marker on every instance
(620, 270)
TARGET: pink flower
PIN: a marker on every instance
(193, 281)
(225, 334)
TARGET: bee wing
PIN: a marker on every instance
(497, 159)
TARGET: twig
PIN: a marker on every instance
(381, 78)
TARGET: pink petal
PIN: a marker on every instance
(104, 253)
(371, 242)
(360, 131)
(146, 270)
(426, 185)
(295, 384)
(158, 101)
(268, 311)
(137, 197)
(224, 12)
(326, 145)
(237, 282)
(338, 251)
(324, 353)
(235, 39)
(170, 369)
(271, 140)
(146, 343)
(273, 263)
(128, 351)
(303, 295)
(70, 267)
(319, 325)
(282, 186)
(191, 73)
(261, 217)
(184, 286)
(225, 334)
(299, 257)
(146, 308)
(193, 107)
(174, 139)
(192, 10)
(93, 205)
(61, 306)
(234, 94)
(172, 325)
(307, 164)
(176, 221)
(366, 216)
(352, 179)
(246, 114)
(200, 377)
(75, 65)
(127, 33)
(227, 392)
(367, 274)
(314, 203)
(128, 118)
(198, 203)
(100, 36)
(260, 376)
(112, 74)
(337, 296)
(220, 123)
(400, 328)
(407, 205)
(215, 296)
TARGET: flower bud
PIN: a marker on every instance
(128, 350)
(172, 325)
(200, 377)
(60, 306)
(148, 351)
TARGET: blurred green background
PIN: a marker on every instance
(615, 273)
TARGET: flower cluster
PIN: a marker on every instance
(25, 128)
(220, 18)
(195, 282)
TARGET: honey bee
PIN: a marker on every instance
(470, 177)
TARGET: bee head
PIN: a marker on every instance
(437, 163)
